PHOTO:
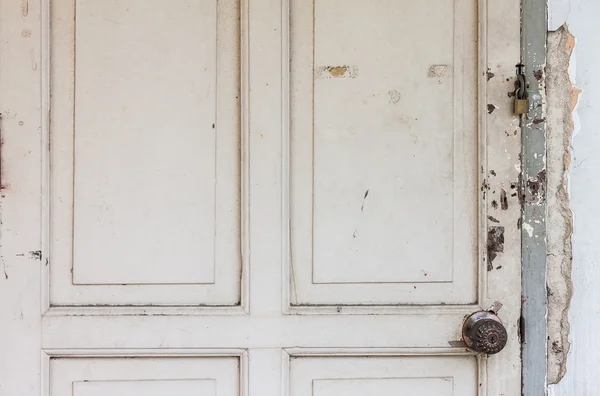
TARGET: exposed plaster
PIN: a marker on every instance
(562, 98)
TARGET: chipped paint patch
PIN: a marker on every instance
(436, 71)
(528, 228)
(536, 188)
(24, 8)
(343, 71)
(394, 96)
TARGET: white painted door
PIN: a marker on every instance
(267, 197)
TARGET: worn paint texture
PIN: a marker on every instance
(533, 199)
(562, 98)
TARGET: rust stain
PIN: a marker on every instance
(342, 71)
(495, 244)
(338, 71)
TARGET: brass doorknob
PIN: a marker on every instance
(484, 332)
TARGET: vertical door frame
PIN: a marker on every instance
(534, 17)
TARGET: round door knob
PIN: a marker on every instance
(484, 332)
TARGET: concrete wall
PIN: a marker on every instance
(582, 376)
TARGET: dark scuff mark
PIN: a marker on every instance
(491, 108)
(362, 208)
(503, 200)
(494, 204)
(520, 190)
(35, 255)
(556, 348)
(499, 267)
(493, 172)
(485, 187)
(495, 244)
(519, 223)
(538, 74)
(489, 74)
(493, 219)
(539, 120)
(521, 327)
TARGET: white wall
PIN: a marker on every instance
(583, 364)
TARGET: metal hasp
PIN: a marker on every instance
(484, 332)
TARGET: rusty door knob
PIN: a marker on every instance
(484, 332)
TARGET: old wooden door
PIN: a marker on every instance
(266, 197)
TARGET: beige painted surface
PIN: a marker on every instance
(250, 198)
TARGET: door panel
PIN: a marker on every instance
(267, 197)
(384, 152)
(144, 376)
(145, 152)
(383, 376)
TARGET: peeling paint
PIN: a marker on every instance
(495, 244)
(536, 188)
(343, 71)
(528, 228)
(562, 101)
(24, 8)
(436, 71)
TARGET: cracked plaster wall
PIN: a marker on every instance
(574, 185)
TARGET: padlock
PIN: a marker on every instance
(521, 101)
(521, 106)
